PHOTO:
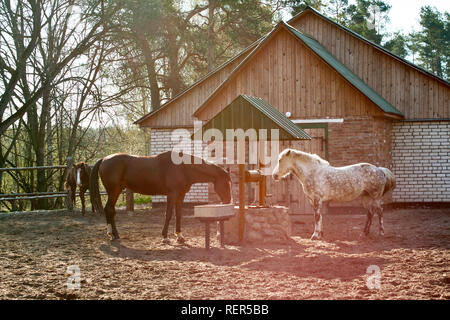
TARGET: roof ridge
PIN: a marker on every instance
(369, 42)
(263, 40)
(257, 43)
(352, 78)
(346, 73)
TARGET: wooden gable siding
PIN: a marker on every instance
(180, 112)
(416, 94)
(292, 78)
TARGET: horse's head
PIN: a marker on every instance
(283, 167)
(222, 186)
(81, 172)
(297, 162)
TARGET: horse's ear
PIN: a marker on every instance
(289, 152)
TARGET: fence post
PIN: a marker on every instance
(129, 200)
(69, 203)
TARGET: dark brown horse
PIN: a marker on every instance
(78, 175)
(154, 175)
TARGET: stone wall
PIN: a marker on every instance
(262, 225)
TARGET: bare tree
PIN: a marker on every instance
(68, 34)
(47, 47)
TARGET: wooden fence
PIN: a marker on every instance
(55, 194)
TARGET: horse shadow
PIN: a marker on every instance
(229, 255)
(322, 266)
(292, 258)
(344, 253)
(403, 230)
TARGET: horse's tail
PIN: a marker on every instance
(96, 200)
(89, 174)
(390, 180)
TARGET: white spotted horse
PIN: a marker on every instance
(154, 175)
(322, 182)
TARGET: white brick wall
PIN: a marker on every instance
(421, 161)
(160, 142)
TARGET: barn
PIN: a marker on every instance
(358, 102)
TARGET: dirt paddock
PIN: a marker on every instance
(36, 250)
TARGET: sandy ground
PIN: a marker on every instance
(36, 250)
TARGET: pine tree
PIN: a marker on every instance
(368, 18)
(397, 45)
(432, 42)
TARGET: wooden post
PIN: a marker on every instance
(222, 233)
(207, 235)
(262, 186)
(241, 201)
(129, 200)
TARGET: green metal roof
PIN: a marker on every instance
(246, 112)
(345, 72)
(315, 46)
(309, 8)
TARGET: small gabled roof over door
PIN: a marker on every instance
(246, 112)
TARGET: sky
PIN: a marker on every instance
(404, 14)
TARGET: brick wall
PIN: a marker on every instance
(161, 142)
(360, 139)
(357, 139)
(421, 161)
(417, 152)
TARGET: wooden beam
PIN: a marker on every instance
(241, 201)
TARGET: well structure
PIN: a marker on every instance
(259, 223)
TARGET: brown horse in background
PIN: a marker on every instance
(154, 175)
(78, 175)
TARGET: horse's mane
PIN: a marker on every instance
(305, 156)
(210, 168)
(221, 171)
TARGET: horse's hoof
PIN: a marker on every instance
(112, 236)
(166, 241)
(180, 238)
(315, 236)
